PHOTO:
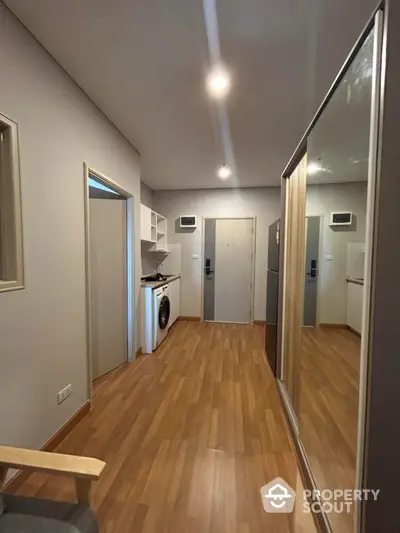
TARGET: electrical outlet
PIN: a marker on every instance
(64, 394)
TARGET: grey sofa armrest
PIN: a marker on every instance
(32, 515)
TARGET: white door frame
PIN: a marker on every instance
(130, 264)
(253, 266)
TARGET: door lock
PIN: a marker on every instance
(207, 268)
(313, 269)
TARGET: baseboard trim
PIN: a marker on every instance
(259, 322)
(109, 372)
(189, 318)
(333, 326)
(354, 331)
(14, 484)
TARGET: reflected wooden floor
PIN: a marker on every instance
(329, 409)
(190, 435)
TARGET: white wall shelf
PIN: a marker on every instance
(148, 231)
(153, 229)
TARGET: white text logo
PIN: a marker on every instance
(278, 497)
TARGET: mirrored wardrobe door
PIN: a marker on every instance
(338, 153)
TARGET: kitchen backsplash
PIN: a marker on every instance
(169, 264)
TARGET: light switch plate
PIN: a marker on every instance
(195, 256)
(329, 257)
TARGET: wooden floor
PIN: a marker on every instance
(329, 410)
(190, 435)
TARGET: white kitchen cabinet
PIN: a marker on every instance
(354, 306)
(153, 228)
(161, 244)
(174, 297)
(147, 225)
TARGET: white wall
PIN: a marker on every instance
(42, 328)
(263, 203)
(146, 195)
(150, 260)
(332, 286)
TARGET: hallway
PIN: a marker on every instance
(190, 435)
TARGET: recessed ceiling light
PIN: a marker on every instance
(314, 168)
(218, 82)
(224, 172)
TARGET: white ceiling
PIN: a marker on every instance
(143, 62)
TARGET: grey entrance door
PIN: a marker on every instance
(311, 278)
(228, 268)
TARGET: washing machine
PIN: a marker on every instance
(161, 314)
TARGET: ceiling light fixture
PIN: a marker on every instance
(224, 172)
(314, 168)
(218, 82)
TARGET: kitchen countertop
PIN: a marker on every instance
(357, 281)
(156, 284)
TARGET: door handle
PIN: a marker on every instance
(313, 269)
(207, 268)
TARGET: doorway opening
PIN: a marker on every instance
(228, 275)
(109, 275)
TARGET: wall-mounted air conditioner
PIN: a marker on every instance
(341, 218)
(188, 221)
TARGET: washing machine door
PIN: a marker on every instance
(164, 312)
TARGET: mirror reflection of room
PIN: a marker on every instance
(336, 204)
